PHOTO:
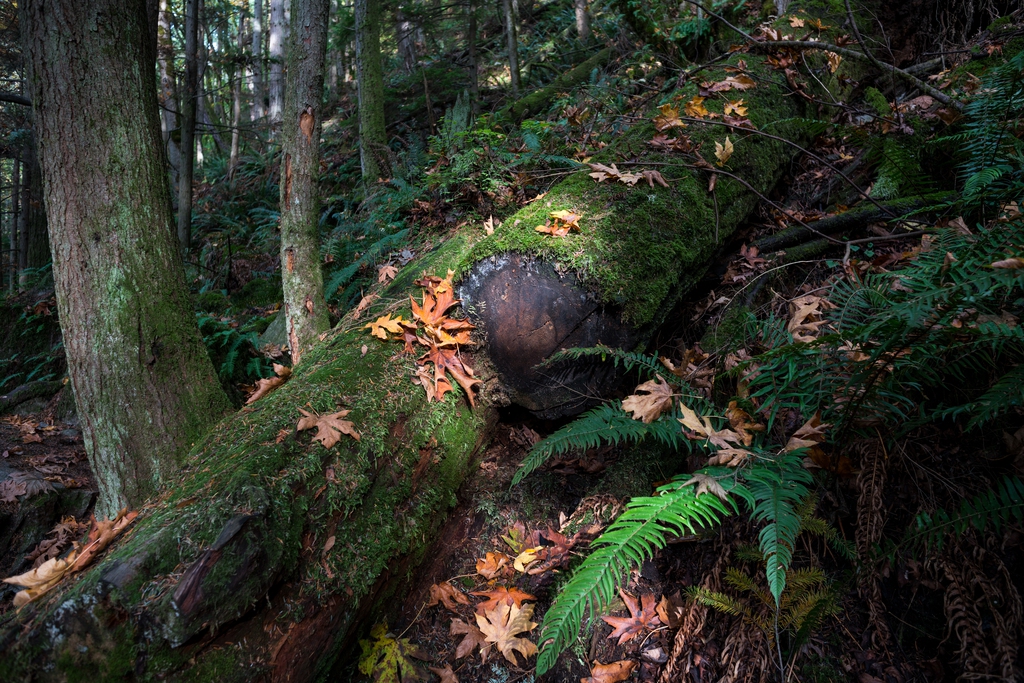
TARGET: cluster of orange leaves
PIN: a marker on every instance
(40, 580)
(442, 336)
(560, 223)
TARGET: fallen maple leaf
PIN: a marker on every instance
(446, 674)
(796, 22)
(501, 626)
(668, 118)
(602, 172)
(501, 595)
(329, 428)
(706, 484)
(810, 434)
(568, 217)
(448, 360)
(489, 225)
(723, 152)
(641, 616)
(474, 637)
(670, 610)
(806, 317)
(492, 564)
(524, 559)
(43, 578)
(742, 423)
(447, 595)
(649, 406)
(25, 484)
(704, 430)
(735, 107)
(384, 324)
(610, 673)
(265, 386)
(695, 107)
(654, 177)
(386, 273)
(730, 457)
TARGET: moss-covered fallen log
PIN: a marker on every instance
(534, 103)
(273, 553)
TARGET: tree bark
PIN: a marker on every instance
(143, 382)
(512, 44)
(273, 555)
(405, 36)
(278, 35)
(168, 94)
(582, 20)
(237, 74)
(374, 156)
(474, 66)
(12, 242)
(259, 93)
(302, 278)
(189, 104)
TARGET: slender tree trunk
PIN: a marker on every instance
(259, 93)
(474, 67)
(304, 305)
(512, 38)
(405, 36)
(188, 124)
(237, 75)
(12, 242)
(37, 244)
(23, 219)
(582, 20)
(143, 382)
(168, 94)
(278, 31)
(373, 142)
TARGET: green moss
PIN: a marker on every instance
(212, 302)
(260, 291)
(877, 101)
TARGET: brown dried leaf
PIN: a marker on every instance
(329, 428)
(386, 273)
(502, 625)
(448, 595)
(641, 616)
(446, 674)
(501, 595)
(695, 108)
(384, 324)
(265, 386)
(649, 406)
(474, 637)
(707, 484)
(492, 564)
(703, 429)
(610, 673)
(668, 118)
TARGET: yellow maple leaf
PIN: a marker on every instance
(668, 118)
(723, 152)
(796, 22)
(695, 108)
(736, 107)
(384, 324)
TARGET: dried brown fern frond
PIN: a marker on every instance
(686, 661)
(983, 610)
(870, 524)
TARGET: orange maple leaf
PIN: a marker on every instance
(640, 617)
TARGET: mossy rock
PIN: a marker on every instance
(260, 291)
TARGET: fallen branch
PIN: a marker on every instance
(27, 392)
(849, 220)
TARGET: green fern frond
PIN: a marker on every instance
(608, 423)
(642, 528)
(649, 365)
(995, 507)
(778, 491)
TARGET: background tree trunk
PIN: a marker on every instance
(373, 141)
(278, 35)
(259, 93)
(237, 75)
(302, 278)
(512, 43)
(582, 20)
(168, 94)
(143, 382)
(474, 66)
(12, 242)
(189, 103)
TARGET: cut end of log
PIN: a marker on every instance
(528, 312)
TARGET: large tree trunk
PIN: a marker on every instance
(373, 141)
(274, 553)
(582, 20)
(304, 305)
(143, 382)
(189, 106)
(278, 35)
